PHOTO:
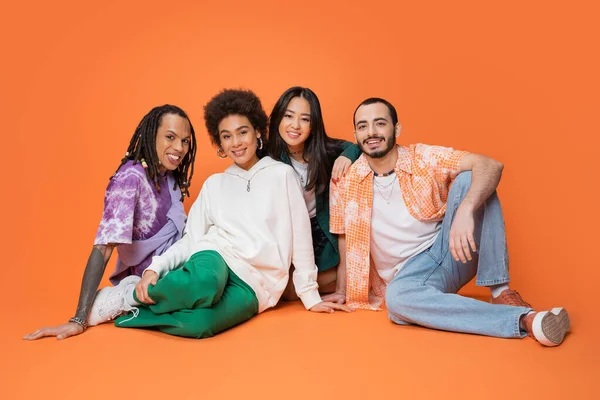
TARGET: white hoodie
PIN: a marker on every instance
(257, 232)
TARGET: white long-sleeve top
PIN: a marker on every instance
(259, 232)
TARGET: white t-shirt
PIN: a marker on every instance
(309, 195)
(396, 235)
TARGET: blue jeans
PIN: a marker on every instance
(424, 291)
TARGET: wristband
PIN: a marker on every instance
(79, 321)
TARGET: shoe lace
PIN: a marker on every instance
(513, 298)
(115, 305)
(135, 312)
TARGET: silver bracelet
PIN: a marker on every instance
(80, 321)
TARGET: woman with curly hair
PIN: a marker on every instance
(297, 137)
(243, 232)
(143, 211)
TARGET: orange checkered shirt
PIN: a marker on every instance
(424, 174)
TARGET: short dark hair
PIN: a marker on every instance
(373, 100)
(235, 102)
(142, 146)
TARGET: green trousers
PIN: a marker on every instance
(199, 300)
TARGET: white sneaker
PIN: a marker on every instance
(110, 302)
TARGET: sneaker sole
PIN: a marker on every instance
(550, 327)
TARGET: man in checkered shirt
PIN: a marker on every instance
(415, 224)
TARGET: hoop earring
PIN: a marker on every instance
(260, 143)
(220, 151)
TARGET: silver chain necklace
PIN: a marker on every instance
(301, 179)
(293, 161)
(387, 199)
(380, 186)
(247, 180)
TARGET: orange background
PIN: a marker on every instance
(514, 80)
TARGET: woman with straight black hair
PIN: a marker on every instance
(297, 137)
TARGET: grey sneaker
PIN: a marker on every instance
(110, 302)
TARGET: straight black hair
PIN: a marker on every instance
(319, 149)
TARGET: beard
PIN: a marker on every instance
(389, 141)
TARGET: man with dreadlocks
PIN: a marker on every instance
(143, 212)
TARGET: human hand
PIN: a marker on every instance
(149, 277)
(461, 239)
(60, 331)
(327, 307)
(340, 167)
(337, 297)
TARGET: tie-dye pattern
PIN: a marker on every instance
(133, 208)
(424, 175)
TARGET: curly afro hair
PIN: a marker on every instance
(234, 102)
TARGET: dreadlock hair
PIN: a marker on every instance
(320, 150)
(143, 146)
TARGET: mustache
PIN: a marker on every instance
(373, 137)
